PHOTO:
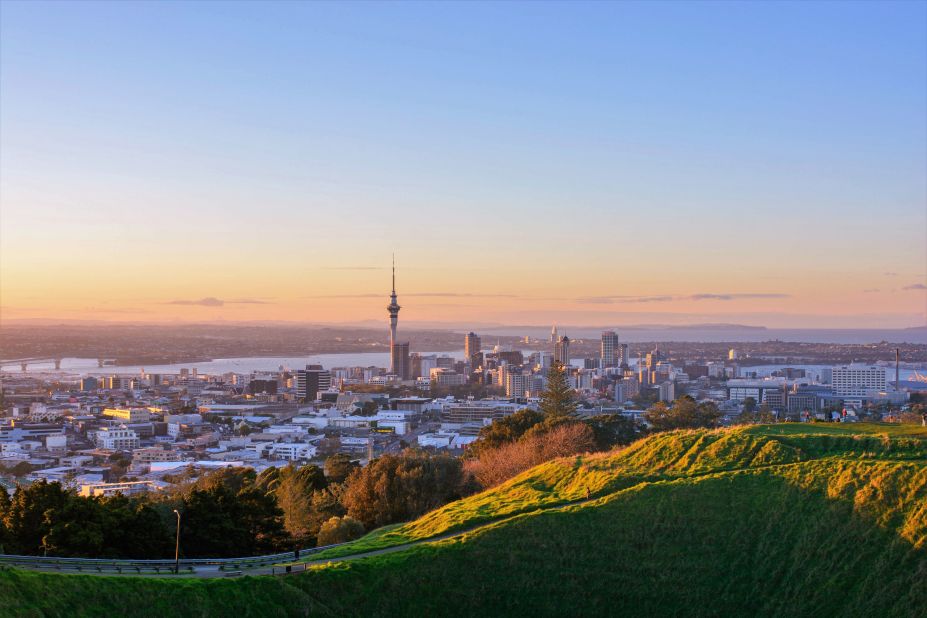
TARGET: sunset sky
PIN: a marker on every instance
(586, 164)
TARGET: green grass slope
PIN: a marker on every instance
(787, 520)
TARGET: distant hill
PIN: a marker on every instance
(780, 520)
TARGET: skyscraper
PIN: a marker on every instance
(472, 346)
(310, 381)
(562, 351)
(399, 361)
(624, 358)
(553, 334)
(609, 352)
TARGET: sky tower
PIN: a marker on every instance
(393, 309)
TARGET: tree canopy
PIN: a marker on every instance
(558, 399)
(684, 413)
(395, 488)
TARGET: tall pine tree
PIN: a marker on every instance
(558, 400)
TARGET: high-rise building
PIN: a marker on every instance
(562, 351)
(517, 384)
(854, 380)
(624, 355)
(667, 391)
(399, 362)
(310, 381)
(472, 346)
(609, 353)
(553, 334)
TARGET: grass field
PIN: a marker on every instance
(784, 520)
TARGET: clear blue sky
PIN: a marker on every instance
(634, 149)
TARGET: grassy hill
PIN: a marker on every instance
(784, 520)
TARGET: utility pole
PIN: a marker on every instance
(177, 546)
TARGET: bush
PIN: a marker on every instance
(497, 465)
(340, 530)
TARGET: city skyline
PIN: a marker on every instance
(613, 164)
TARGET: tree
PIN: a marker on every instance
(340, 530)
(505, 430)
(395, 488)
(4, 509)
(26, 521)
(263, 520)
(217, 522)
(749, 405)
(558, 399)
(339, 467)
(77, 529)
(235, 479)
(762, 415)
(293, 492)
(610, 430)
(685, 413)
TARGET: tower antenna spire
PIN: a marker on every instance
(394, 273)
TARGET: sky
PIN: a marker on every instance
(527, 163)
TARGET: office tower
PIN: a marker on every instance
(667, 391)
(562, 351)
(310, 381)
(544, 360)
(732, 354)
(517, 384)
(609, 352)
(553, 334)
(399, 362)
(624, 356)
(854, 380)
(653, 358)
(472, 347)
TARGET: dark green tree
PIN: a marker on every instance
(217, 522)
(749, 405)
(558, 399)
(685, 413)
(26, 521)
(4, 509)
(294, 491)
(611, 430)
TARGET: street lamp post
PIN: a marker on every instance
(177, 546)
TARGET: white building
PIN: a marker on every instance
(126, 489)
(291, 451)
(857, 380)
(668, 391)
(116, 439)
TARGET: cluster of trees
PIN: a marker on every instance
(44, 518)
(232, 511)
(684, 413)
